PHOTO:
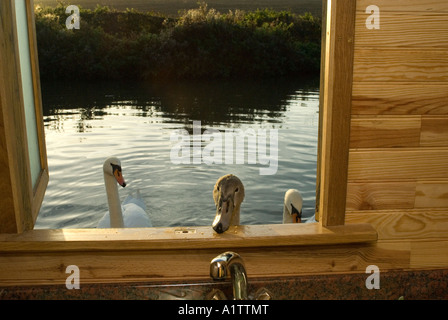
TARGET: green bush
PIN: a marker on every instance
(199, 43)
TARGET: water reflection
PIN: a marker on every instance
(86, 122)
(214, 103)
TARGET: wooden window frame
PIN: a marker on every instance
(335, 114)
(26, 197)
(334, 125)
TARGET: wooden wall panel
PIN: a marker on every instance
(403, 29)
(384, 132)
(431, 195)
(404, 224)
(399, 6)
(434, 131)
(429, 254)
(391, 64)
(397, 195)
(398, 131)
(400, 98)
(380, 195)
(398, 161)
(398, 164)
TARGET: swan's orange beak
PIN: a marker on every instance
(296, 218)
(119, 177)
(296, 215)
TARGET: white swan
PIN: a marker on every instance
(132, 212)
(228, 195)
(292, 208)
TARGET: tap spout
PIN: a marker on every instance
(230, 264)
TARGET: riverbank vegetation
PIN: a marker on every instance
(198, 44)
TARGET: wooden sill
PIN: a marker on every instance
(203, 237)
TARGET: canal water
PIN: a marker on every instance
(174, 141)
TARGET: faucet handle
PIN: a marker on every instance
(219, 264)
(216, 294)
(263, 294)
(230, 264)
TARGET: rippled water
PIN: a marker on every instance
(85, 123)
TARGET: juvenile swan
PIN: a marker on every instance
(130, 214)
(292, 208)
(228, 195)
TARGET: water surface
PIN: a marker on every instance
(87, 122)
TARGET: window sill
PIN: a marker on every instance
(202, 237)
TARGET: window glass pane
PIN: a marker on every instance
(27, 88)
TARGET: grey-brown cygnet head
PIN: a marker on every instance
(228, 195)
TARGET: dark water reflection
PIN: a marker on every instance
(212, 103)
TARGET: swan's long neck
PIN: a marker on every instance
(113, 200)
(287, 217)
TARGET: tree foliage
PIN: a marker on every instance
(199, 43)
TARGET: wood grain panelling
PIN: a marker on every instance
(398, 131)
(398, 161)
(431, 195)
(382, 132)
(380, 195)
(398, 164)
(397, 195)
(404, 98)
(404, 224)
(429, 254)
(391, 64)
(400, 6)
(425, 30)
(434, 131)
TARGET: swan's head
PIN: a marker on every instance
(292, 211)
(228, 195)
(112, 167)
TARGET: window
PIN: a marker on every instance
(26, 168)
(25, 160)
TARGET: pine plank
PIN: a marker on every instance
(429, 254)
(398, 164)
(401, 98)
(380, 195)
(404, 5)
(400, 65)
(431, 195)
(385, 132)
(434, 131)
(403, 29)
(415, 224)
